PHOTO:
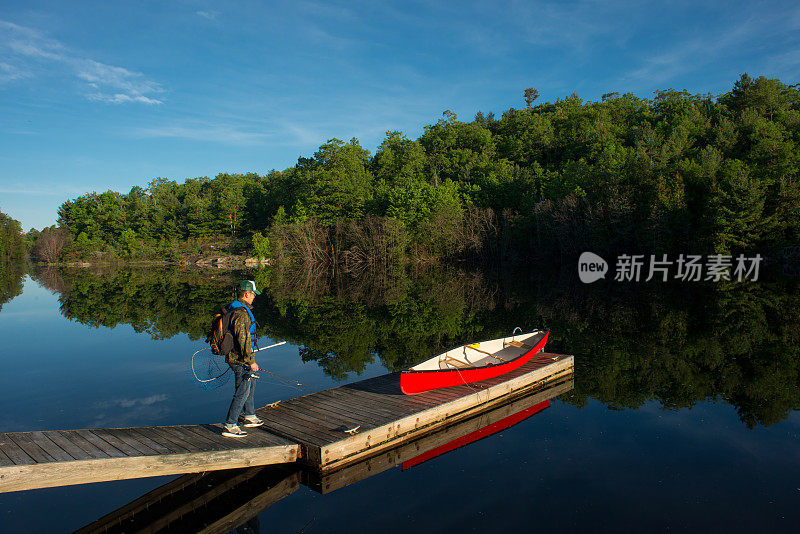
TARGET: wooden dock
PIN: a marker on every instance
(326, 431)
(221, 501)
(30, 460)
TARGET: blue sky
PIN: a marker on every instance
(108, 95)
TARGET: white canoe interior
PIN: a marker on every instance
(473, 355)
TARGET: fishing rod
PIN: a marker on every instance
(289, 380)
(228, 369)
(278, 344)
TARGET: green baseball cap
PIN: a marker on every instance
(248, 285)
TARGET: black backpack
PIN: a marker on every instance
(220, 337)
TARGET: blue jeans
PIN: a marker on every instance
(243, 397)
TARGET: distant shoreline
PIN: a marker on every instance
(218, 262)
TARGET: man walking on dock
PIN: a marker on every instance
(242, 361)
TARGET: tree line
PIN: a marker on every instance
(13, 245)
(677, 172)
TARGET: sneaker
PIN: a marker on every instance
(251, 421)
(233, 431)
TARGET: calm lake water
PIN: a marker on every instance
(684, 414)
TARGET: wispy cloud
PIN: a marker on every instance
(210, 15)
(788, 62)
(326, 10)
(103, 82)
(130, 411)
(35, 191)
(10, 72)
(694, 54)
(302, 133)
(215, 133)
(130, 403)
(567, 24)
(689, 55)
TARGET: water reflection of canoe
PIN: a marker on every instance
(486, 431)
(472, 363)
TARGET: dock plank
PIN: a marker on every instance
(25, 443)
(344, 407)
(75, 451)
(393, 403)
(190, 437)
(256, 436)
(114, 441)
(124, 436)
(78, 440)
(336, 418)
(216, 438)
(14, 452)
(57, 453)
(347, 401)
(396, 406)
(5, 460)
(214, 434)
(167, 434)
(323, 404)
(152, 444)
(309, 422)
(149, 433)
(101, 444)
(286, 428)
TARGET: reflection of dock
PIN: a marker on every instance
(313, 429)
(223, 500)
(214, 502)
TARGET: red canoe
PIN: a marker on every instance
(472, 363)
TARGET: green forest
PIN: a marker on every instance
(673, 344)
(676, 172)
(13, 245)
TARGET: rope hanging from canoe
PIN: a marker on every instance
(466, 382)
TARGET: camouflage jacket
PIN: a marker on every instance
(242, 353)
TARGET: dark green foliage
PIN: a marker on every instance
(676, 173)
(13, 244)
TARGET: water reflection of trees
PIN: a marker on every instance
(347, 323)
(161, 302)
(12, 275)
(681, 345)
(676, 345)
